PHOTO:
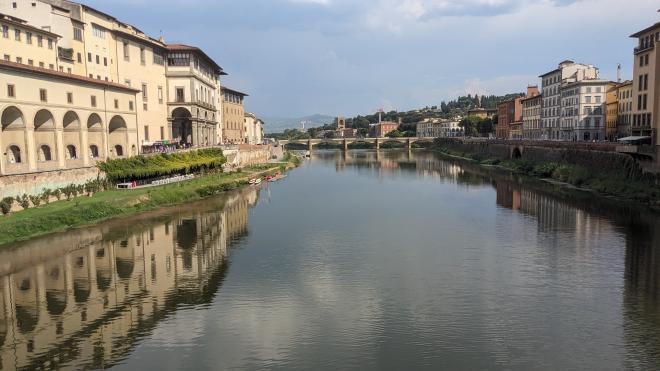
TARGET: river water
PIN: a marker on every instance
(363, 260)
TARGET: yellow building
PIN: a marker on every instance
(233, 116)
(611, 113)
(646, 83)
(625, 106)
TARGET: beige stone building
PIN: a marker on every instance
(233, 116)
(531, 117)
(91, 64)
(624, 111)
(646, 83)
(254, 129)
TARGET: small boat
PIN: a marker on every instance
(308, 154)
(277, 177)
(255, 181)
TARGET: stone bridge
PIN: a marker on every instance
(346, 141)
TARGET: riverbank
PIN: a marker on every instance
(639, 189)
(62, 215)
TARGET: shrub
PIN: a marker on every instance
(45, 195)
(36, 200)
(6, 204)
(58, 194)
(24, 201)
(544, 170)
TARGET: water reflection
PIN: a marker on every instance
(84, 298)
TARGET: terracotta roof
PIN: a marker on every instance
(64, 76)
(188, 48)
(146, 39)
(223, 88)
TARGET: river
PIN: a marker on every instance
(386, 260)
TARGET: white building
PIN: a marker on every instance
(551, 83)
(439, 128)
(583, 110)
(253, 129)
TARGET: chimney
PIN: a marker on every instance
(532, 91)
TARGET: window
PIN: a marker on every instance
(17, 34)
(98, 31)
(93, 100)
(98, 59)
(50, 43)
(11, 91)
(142, 56)
(30, 62)
(5, 31)
(41, 64)
(19, 60)
(178, 59)
(146, 133)
(7, 57)
(77, 33)
(180, 95)
(79, 58)
(43, 95)
(61, 68)
(646, 81)
(644, 101)
(40, 41)
(587, 99)
(69, 98)
(130, 105)
(126, 52)
(116, 103)
(162, 133)
(28, 37)
(158, 58)
(144, 92)
(144, 106)
(597, 122)
(89, 57)
(160, 94)
(105, 61)
(597, 98)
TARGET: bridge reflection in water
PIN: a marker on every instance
(83, 298)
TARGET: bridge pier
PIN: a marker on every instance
(345, 144)
(409, 144)
(309, 146)
(377, 144)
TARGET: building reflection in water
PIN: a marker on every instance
(82, 299)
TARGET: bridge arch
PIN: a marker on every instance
(516, 153)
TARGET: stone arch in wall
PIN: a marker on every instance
(117, 135)
(12, 137)
(95, 136)
(44, 136)
(71, 121)
(71, 152)
(516, 153)
(182, 126)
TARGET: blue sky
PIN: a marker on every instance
(344, 57)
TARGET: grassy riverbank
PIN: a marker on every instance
(643, 190)
(58, 216)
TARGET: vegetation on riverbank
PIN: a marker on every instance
(643, 190)
(114, 203)
(164, 164)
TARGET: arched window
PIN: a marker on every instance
(119, 150)
(71, 152)
(14, 155)
(133, 150)
(93, 151)
(44, 153)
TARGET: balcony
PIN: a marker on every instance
(641, 49)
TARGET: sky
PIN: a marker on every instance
(348, 57)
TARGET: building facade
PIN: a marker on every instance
(509, 115)
(482, 113)
(82, 41)
(383, 128)
(439, 128)
(582, 113)
(53, 120)
(531, 117)
(233, 116)
(551, 84)
(611, 113)
(624, 112)
(254, 129)
(646, 83)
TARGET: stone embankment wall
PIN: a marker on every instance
(245, 155)
(36, 183)
(600, 159)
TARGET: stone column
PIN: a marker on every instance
(377, 144)
(30, 149)
(309, 146)
(84, 145)
(345, 143)
(59, 142)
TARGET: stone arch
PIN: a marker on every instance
(14, 154)
(117, 130)
(44, 120)
(26, 304)
(71, 152)
(71, 121)
(44, 153)
(12, 118)
(516, 153)
(94, 122)
(93, 151)
(182, 126)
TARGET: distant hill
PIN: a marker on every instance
(277, 125)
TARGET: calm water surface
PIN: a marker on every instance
(365, 260)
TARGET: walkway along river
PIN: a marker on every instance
(365, 260)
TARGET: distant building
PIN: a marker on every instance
(646, 83)
(509, 119)
(551, 83)
(531, 115)
(438, 128)
(611, 113)
(583, 110)
(482, 113)
(383, 128)
(624, 112)
(233, 116)
(253, 129)
(341, 123)
(348, 133)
